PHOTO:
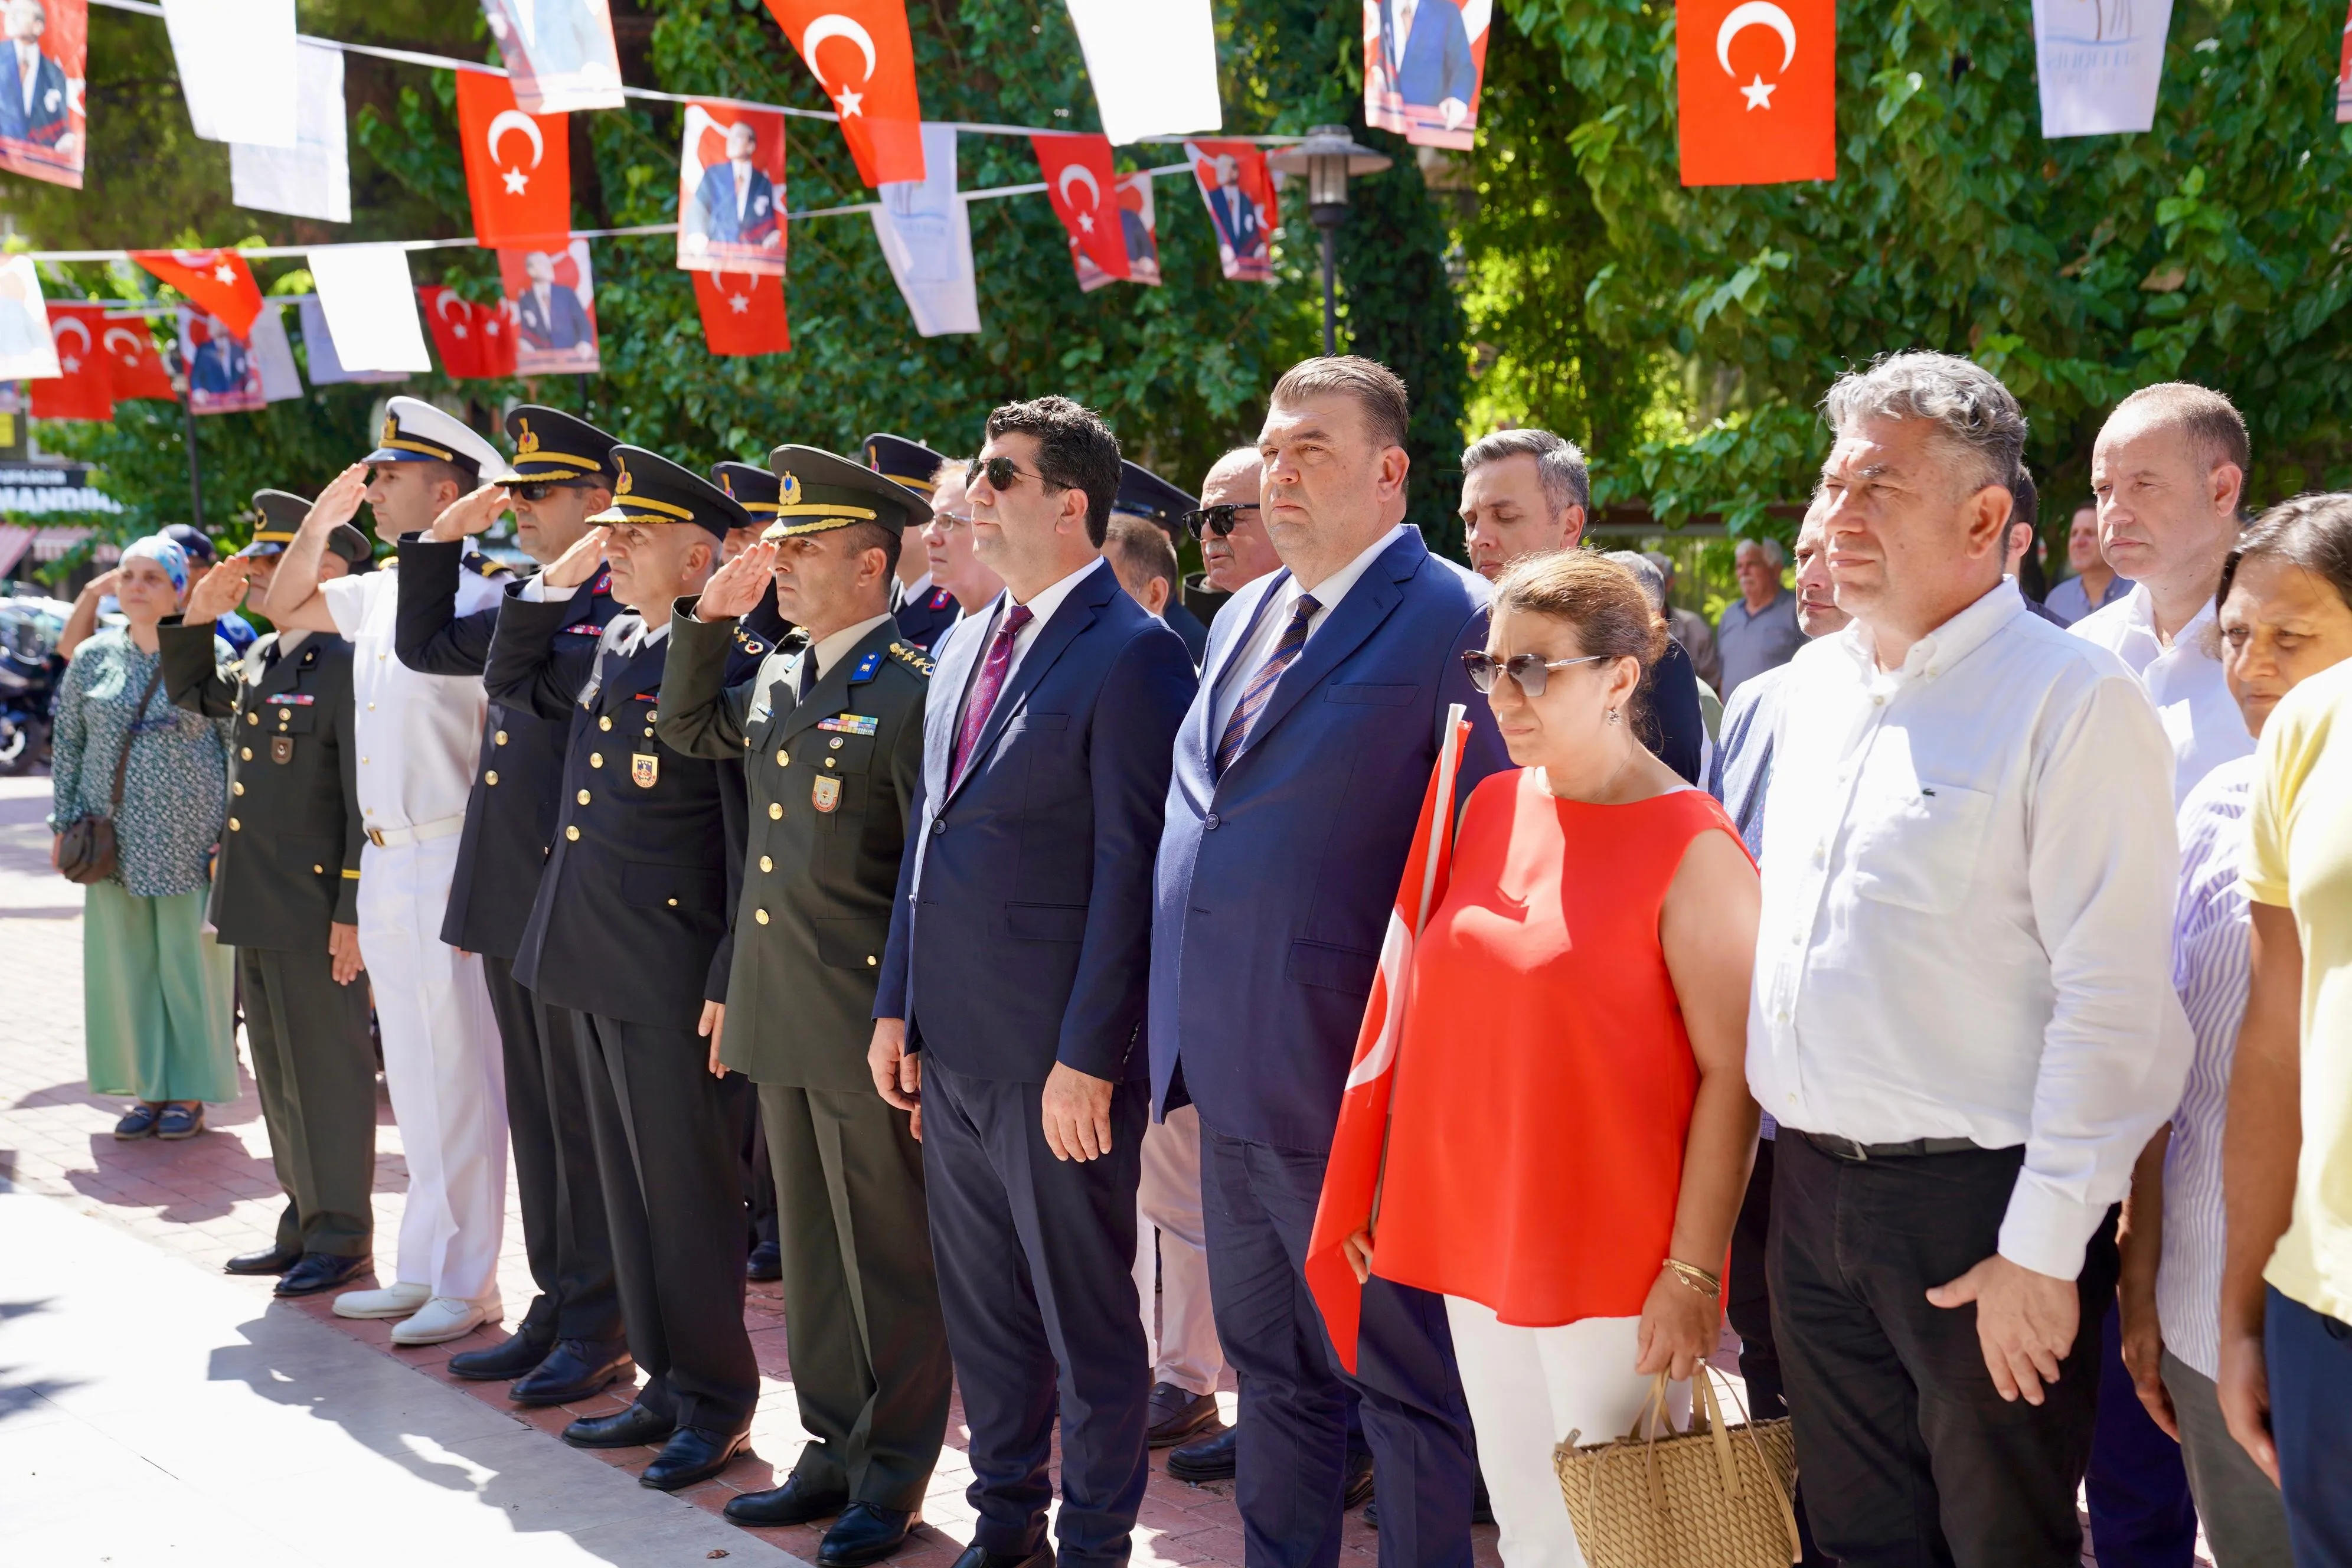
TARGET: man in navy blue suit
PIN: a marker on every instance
(1299, 774)
(549, 314)
(1010, 1013)
(33, 107)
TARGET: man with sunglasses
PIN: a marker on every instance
(569, 1342)
(1146, 498)
(1011, 998)
(1235, 550)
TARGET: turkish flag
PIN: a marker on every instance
(861, 54)
(86, 390)
(218, 281)
(475, 342)
(743, 312)
(1757, 83)
(518, 165)
(1079, 182)
(134, 368)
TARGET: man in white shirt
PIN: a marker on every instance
(1963, 1017)
(2168, 470)
(419, 737)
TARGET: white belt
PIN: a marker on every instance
(402, 838)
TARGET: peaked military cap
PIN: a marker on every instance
(650, 489)
(414, 432)
(753, 487)
(1142, 493)
(551, 446)
(910, 463)
(817, 492)
(282, 513)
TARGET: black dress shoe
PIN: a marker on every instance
(766, 1262)
(631, 1428)
(573, 1371)
(511, 1358)
(1210, 1459)
(1176, 1415)
(321, 1271)
(797, 1501)
(269, 1260)
(981, 1557)
(865, 1532)
(1356, 1481)
(692, 1454)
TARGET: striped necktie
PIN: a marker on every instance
(1261, 686)
(984, 691)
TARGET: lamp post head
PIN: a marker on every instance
(1327, 157)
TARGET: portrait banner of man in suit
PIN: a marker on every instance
(731, 189)
(40, 92)
(224, 373)
(553, 297)
(1238, 190)
(558, 53)
(1139, 225)
(1424, 60)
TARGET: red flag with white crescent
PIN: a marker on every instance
(1756, 82)
(134, 368)
(1081, 183)
(474, 343)
(86, 390)
(518, 165)
(743, 312)
(864, 57)
(1351, 1180)
(218, 281)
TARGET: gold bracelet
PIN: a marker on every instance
(1697, 1278)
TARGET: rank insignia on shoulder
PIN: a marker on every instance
(292, 698)
(941, 598)
(912, 658)
(644, 770)
(850, 723)
(486, 568)
(865, 667)
(602, 584)
(824, 794)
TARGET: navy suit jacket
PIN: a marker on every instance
(1276, 880)
(1021, 934)
(1435, 63)
(46, 125)
(568, 330)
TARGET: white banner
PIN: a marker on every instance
(558, 53)
(2100, 61)
(371, 307)
(236, 64)
(28, 352)
(926, 233)
(327, 368)
(1153, 64)
(274, 354)
(313, 177)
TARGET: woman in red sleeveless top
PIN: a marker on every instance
(1571, 1127)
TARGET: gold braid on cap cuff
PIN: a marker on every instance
(809, 520)
(401, 443)
(626, 509)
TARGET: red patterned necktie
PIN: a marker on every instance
(977, 706)
(1261, 686)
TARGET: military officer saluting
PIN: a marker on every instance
(924, 610)
(762, 629)
(569, 1342)
(831, 734)
(627, 931)
(286, 896)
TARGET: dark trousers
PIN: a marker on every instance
(1749, 1304)
(869, 1353)
(563, 1231)
(758, 1183)
(666, 1134)
(315, 1071)
(1259, 1209)
(2141, 1513)
(1036, 1267)
(1911, 1457)
(2309, 1356)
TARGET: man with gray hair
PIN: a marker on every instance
(1963, 1017)
(1757, 631)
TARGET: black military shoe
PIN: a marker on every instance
(1176, 1415)
(797, 1501)
(269, 1260)
(866, 1533)
(321, 1271)
(1210, 1459)
(766, 1263)
(631, 1428)
(693, 1454)
(981, 1557)
(1356, 1483)
(573, 1371)
(516, 1355)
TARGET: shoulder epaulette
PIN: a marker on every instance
(865, 667)
(913, 658)
(485, 566)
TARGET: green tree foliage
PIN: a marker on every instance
(1704, 324)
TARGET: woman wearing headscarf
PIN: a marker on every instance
(156, 987)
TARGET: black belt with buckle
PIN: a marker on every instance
(1838, 1148)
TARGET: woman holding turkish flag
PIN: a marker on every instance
(1571, 1127)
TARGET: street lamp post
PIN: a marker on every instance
(1327, 157)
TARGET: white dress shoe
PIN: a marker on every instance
(445, 1318)
(392, 1302)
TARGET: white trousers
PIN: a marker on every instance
(1167, 1201)
(442, 1064)
(1528, 1390)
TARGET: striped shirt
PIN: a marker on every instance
(2211, 968)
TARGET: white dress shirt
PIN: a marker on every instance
(1233, 678)
(1970, 865)
(2184, 680)
(418, 735)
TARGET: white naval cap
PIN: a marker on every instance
(414, 430)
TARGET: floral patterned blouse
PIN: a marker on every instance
(175, 791)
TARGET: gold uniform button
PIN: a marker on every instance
(775, 811)
(319, 870)
(572, 834)
(783, 758)
(370, 709)
(871, 961)
(581, 797)
(651, 717)
(234, 825)
(759, 915)
(828, 762)
(766, 864)
(673, 903)
(236, 789)
(285, 713)
(499, 739)
(595, 759)
(604, 721)
(253, 718)
(837, 742)
(245, 754)
(491, 777)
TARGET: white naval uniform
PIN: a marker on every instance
(418, 737)
(1181, 1338)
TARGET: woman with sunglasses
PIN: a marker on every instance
(1572, 1126)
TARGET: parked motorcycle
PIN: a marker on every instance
(29, 671)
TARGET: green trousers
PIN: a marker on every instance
(155, 997)
(315, 1072)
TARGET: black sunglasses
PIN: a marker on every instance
(537, 490)
(1002, 472)
(1532, 673)
(1218, 519)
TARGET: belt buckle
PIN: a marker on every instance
(375, 837)
(1843, 1147)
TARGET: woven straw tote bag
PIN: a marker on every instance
(1712, 1496)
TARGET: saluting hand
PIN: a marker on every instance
(1077, 1110)
(222, 590)
(343, 952)
(579, 563)
(735, 588)
(471, 513)
(338, 500)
